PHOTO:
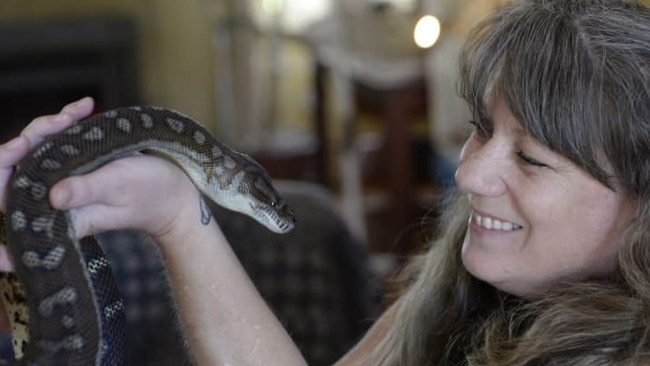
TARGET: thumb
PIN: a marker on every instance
(88, 210)
(72, 192)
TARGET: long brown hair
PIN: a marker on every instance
(576, 74)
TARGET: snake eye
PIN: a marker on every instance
(274, 204)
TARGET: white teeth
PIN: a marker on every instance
(494, 224)
(487, 223)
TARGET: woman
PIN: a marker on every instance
(543, 255)
(543, 260)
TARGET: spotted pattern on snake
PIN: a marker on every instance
(74, 313)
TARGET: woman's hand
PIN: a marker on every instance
(140, 192)
(123, 194)
(12, 151)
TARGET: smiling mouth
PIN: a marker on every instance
(491, 223)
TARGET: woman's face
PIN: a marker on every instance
(537, 218)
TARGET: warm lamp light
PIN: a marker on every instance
(427, 31)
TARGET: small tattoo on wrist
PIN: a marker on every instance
(206, 214)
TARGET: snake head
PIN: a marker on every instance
(248, 190)
(241, 184)
(279, 216)
(266, 205)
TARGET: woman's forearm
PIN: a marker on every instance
(225, 320)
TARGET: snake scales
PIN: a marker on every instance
(70, 302)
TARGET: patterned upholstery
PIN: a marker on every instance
(314, 278)
(153, 334)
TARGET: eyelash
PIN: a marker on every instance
(480, 129)
(528, 160)
(482, 132)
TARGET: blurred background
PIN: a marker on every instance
(355, 99)
(336, 92)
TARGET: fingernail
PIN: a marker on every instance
(76, 102)
(80, 101)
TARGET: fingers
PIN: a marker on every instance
(43, 126)
(10, 154)
(127, 193)
(102, 186)
(82, 197)
(14, 150)
(80, 108)
(74, 192)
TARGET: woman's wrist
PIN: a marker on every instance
(224, 318)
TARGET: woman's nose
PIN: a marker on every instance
(481, 170)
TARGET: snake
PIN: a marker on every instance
(62, 301)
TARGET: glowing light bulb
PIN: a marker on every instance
(427, 31)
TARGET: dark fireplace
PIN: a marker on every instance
(46, 65)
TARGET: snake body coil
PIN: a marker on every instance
(75, 313)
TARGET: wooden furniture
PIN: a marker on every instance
(397, 107)
(393, 91)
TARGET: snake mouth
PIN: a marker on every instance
(284, 227)
(280, 217)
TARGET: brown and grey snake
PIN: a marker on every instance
(68, 304)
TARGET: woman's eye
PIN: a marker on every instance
(480, 129)
(528, 160)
